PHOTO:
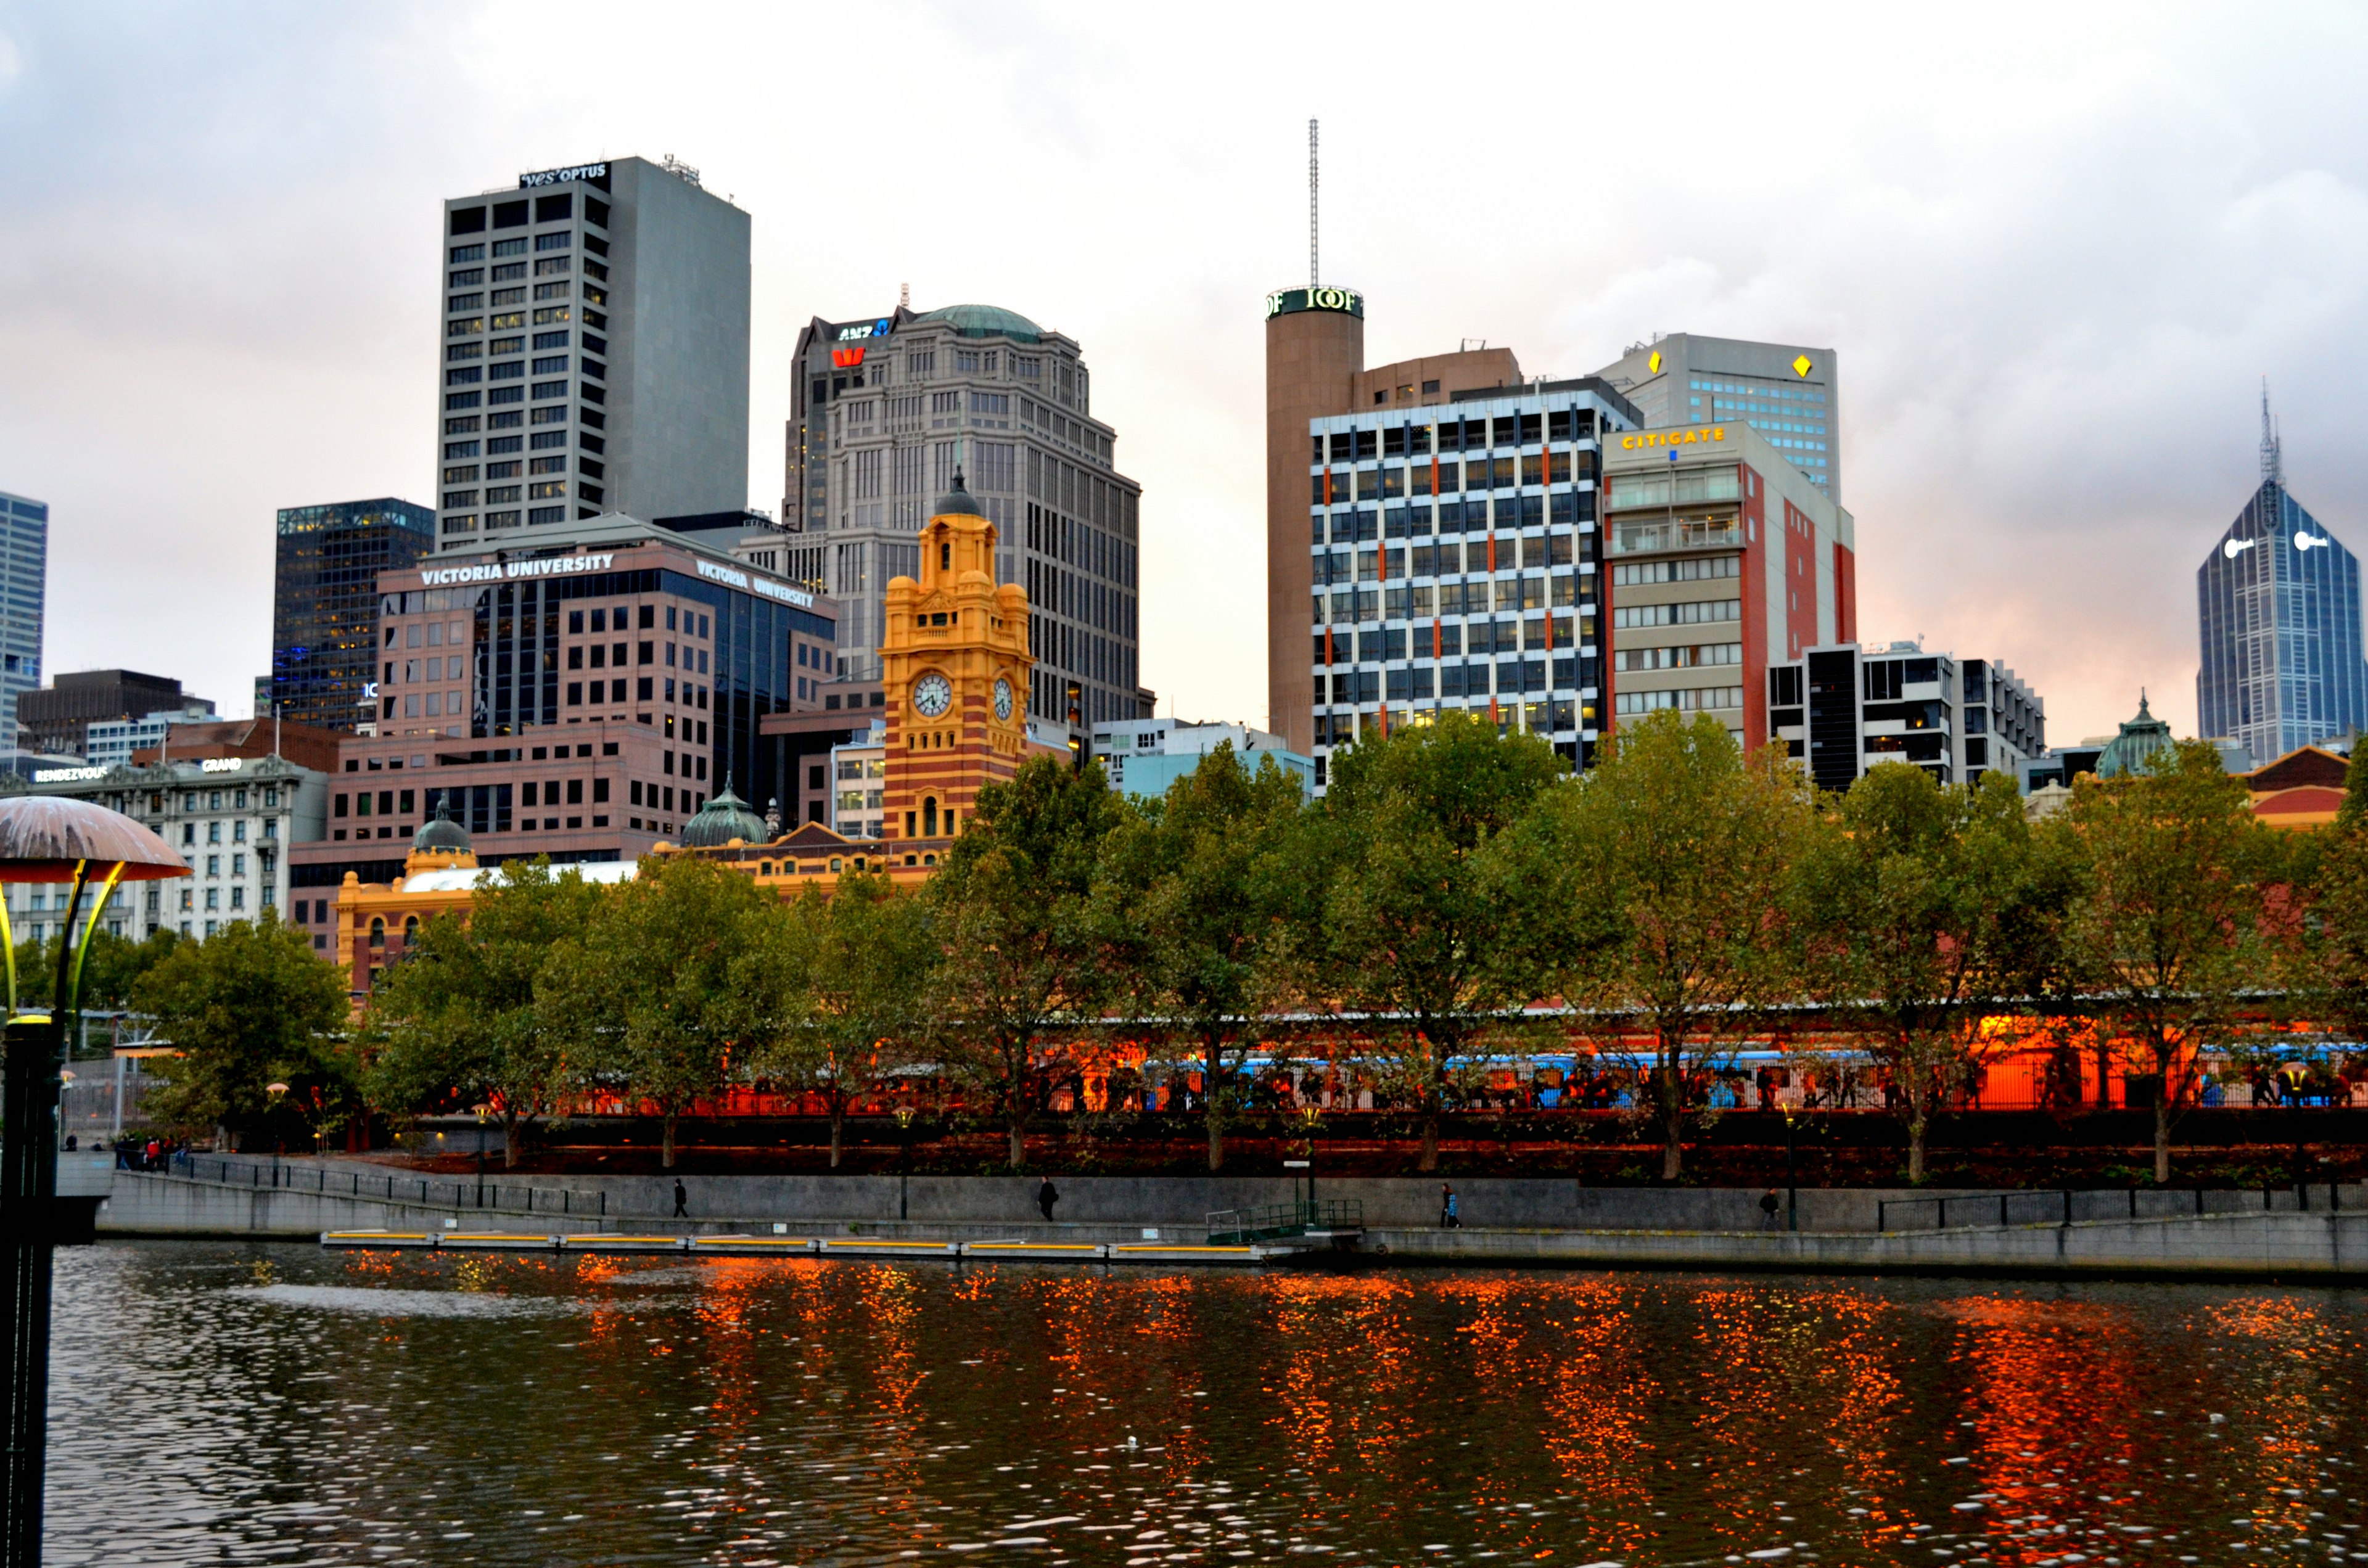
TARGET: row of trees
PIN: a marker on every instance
(1457, 894)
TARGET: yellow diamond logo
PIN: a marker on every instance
(1801, 366)
(1653, 365)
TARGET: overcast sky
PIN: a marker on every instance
(2056, 249)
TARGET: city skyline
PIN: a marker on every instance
(2055, 281)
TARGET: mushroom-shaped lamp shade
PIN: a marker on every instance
(43, 838)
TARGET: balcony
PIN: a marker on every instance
(1692, 486)
(1662, 534)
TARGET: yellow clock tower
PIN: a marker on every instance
(955, 661)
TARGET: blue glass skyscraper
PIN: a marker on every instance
(2278, 602)
(24, 577)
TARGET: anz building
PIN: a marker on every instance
(2279, 603)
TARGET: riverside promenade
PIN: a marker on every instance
(2171, 1234)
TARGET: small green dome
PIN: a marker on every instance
(725, 818)
(2131, 751)
(443, 835)
(985, 321)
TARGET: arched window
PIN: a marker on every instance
(929, 860)
(377, 932)
(834, 866)
(930, 816)
(410, 929)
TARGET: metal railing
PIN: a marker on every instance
(2064, 1205)
(1275, 1221)
(463, 1194)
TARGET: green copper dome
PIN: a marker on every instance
(725, 818)
(2140, 739)
(443, 835)
(985, 321)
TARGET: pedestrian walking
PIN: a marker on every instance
(681, 1199)
(1046, 1196)
(1448, 1219)
(1767, 1207)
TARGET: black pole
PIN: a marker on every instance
(1791, 1185)
(35, 1054)
(903, 1168)
(481, 1161)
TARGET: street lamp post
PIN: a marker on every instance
(484, 1118)
(1791, 1188)
(903, 1162)
(273, 1094)
(2294, 1073)
(46, 839)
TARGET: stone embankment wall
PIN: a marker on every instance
(1510, 1223)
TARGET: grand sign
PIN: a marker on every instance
(495, 572)
(856, 331)
(1285, 302)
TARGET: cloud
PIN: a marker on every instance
(2054, 252)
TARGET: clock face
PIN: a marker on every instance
(932, 695)
(1003, 700)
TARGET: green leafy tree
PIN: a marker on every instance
(249, 1006)
(1915, 902)
(2180, 916)
(1020, 972)
(648, 989)
(111, 971)
(457, 1023)
(840, 986)
(1671, 860)
(1193, 896)
(1434, 932)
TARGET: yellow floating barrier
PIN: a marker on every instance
(372, 1239)
(1076, 1252)
(752, 1246)
(884, 1246)
(497, 1240)
(1186, 1252)
(623, 1244)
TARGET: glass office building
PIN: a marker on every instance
(24, 576)
(2279, 603)
(324, 605)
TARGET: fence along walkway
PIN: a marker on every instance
(2063, 1206)
(465, 1195)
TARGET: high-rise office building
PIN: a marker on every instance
(1316, 370)
(595, 352)
(1784, 391)
(580, 701)
(24, 586)
(1455, 562)
(1844, 708)
(57, 718)
(889, 408)
(2278, 604)
(324, 606)
(1724, 560)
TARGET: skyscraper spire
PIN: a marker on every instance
(2273, 470)
(1314, 274)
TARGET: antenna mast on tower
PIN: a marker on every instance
(2273, 466)
(1314, 274)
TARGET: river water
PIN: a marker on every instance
(217, 1403)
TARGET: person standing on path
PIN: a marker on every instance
(1449, 1220)
(1768, 1204)
(681, 1199)
(1046, 1197)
